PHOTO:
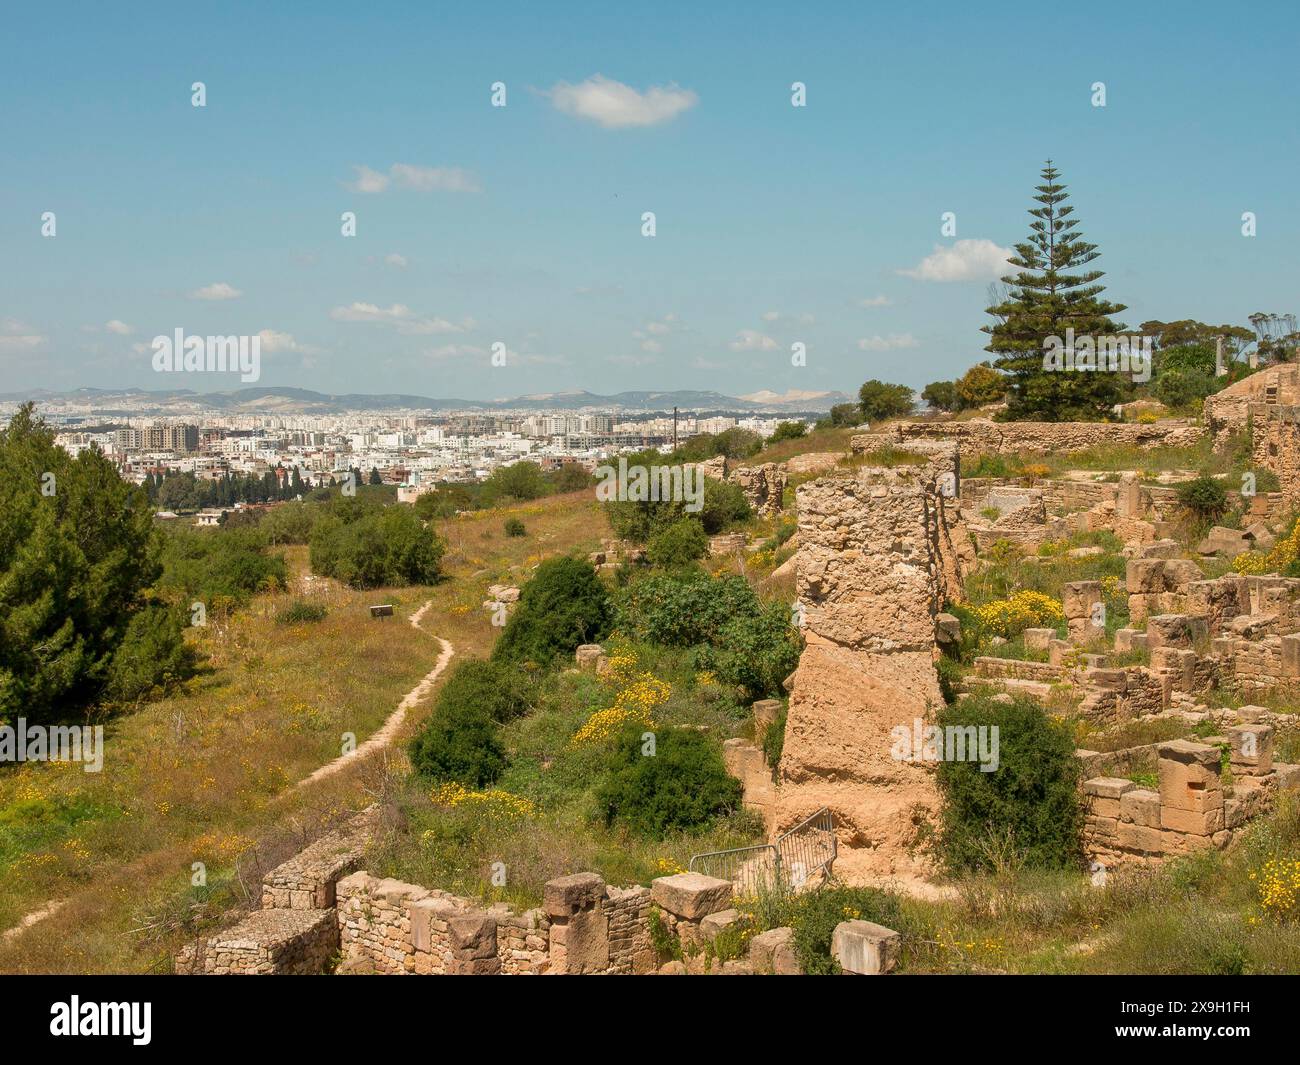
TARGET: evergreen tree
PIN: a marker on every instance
(1051, 293)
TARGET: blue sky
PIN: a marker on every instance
(522, 225)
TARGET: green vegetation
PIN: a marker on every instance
(1052, 292)
(678, 544)
(1027, 812)
(514, 527)
(681, 786)
(878, 400)
(78, 553)
(562, 606)
(301, 611)
(369, 547)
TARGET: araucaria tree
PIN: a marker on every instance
(1053, 292)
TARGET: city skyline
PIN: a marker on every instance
(521, 225)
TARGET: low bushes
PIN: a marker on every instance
(682, 786)
(1026, 811)
(563, 605)
(301, 611)
(373, 547)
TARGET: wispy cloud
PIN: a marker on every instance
(752, 340)
(892, 342)
(415, 178)
(16, 336)
(400, 317)
(220, 290)
(965, 260)
(613, 105)
(875, 301)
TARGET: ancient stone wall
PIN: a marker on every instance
(981, 436)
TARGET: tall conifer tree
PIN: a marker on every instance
(1050, 293)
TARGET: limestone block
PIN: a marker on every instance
(1039, 639)
(1141, 807)
(773, 952)
(1104, 794)
(1145, 839)
(587, 655)
(1144, 576)
(766, 712)
(865, 948)
(691, 895)
(473, 935)
(714, 923)
(1193, 823)
(1252, 749)
(567, 895)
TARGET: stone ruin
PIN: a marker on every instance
(320, 906)
(880, 550)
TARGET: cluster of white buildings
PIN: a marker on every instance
(414, 450)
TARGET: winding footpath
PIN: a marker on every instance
(381, 738)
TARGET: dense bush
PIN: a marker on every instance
(78, 550)
(367, 547)
(519, 481)
(152, 655)
(683, 786)
(755, 652)
(682, 611)
(209, 565)
(788, 431)
(515, 527)
(563, 605)
(460, 743)
(1025, 812)
(501, 690)
(1179, 389)
(1204, 496)
(723, 505)
(678, 544)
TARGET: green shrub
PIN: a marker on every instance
(563, 605)
(678, 544)
(369, 547)
(1205, 497)
(683, 610)
(153, 653)
(300, 611)
(211, 564)
(1027, 810)
(499, 689)
(755, 652)
(459, 743)
(723, 505)
(813, 916)
(515, 527)
(682, 787)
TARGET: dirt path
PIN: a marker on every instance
(381, 738)
(384, 736)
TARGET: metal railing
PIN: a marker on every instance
(790, 864)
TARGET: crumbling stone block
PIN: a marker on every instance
(865, 948)
(1140, 806)
(1252, 749)
(691, 895)
(567, 895)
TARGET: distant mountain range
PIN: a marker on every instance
(304, 401)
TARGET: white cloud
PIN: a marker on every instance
(400, 317)
(613, 105)
(120, 328)
(454, 351)
(18, 336)
(217, 291)
(394, 259)
(893, 342)
(771, 316)
(752, 340)
(368, 180)
(652, 346)
(630, 360)
(875, 301)
(273, 341)
(434, 178)
(965, 260)
(417, 178)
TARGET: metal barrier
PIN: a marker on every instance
(789, 864)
